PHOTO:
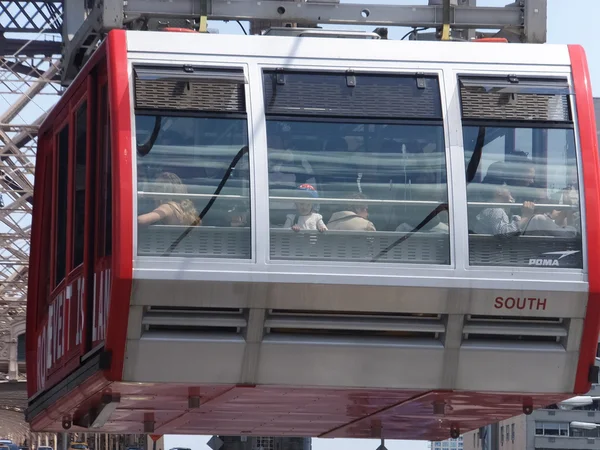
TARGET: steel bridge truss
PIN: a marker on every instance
(30, 47)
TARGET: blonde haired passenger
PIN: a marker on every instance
(171, 211)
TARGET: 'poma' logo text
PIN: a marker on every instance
(549, 261)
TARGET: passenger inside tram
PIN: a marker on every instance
(170, 210)
(306, 216)
(353, 218)
(520, 174)
(495, 220)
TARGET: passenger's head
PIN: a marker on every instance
(359, 208)
(305, 191)
(495, 186)
(169, 183)
(336, 144)
(520, 169)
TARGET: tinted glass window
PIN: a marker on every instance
(105, 209)
(193, 187)
(523, 182)
(61, 204)
(79, 184)
(357, 168)
(193, 166)
(109, 189)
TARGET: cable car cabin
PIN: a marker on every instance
(314, 237)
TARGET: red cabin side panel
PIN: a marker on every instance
(591, 179)
(120, 112)
(56, 323)
(38, 268)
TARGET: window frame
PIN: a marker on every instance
(208, 65)
(412, 69)
(63, 120)
(79, 101)
(350, 272)
(101, 164)
(531, 272)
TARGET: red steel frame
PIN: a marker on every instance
(120, 109)
(471, 409)
(588, 141)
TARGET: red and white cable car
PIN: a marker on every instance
(274, 235)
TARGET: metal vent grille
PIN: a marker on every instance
(213, 321)
(501, 99)
(354, 324)
(371, 96)
(480, 328)
(190, 95)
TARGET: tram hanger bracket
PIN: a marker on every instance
(350, 78)
(421, 81)
(280, 77)
(194, 402)
(593, 376)
(149, 422)
(97, 416)
(105, 360)
(526, 19)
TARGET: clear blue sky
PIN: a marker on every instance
(569, 22)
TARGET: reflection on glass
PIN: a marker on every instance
(193, 187)
(523, 200)
(364, 186)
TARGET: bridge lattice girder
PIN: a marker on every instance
(30, 46)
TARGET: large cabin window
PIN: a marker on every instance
(79, 184)
(60, 202)
(522, 176)
(357, 167)
(104, 233)
(192, 163)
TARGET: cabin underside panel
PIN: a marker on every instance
(227, 409)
